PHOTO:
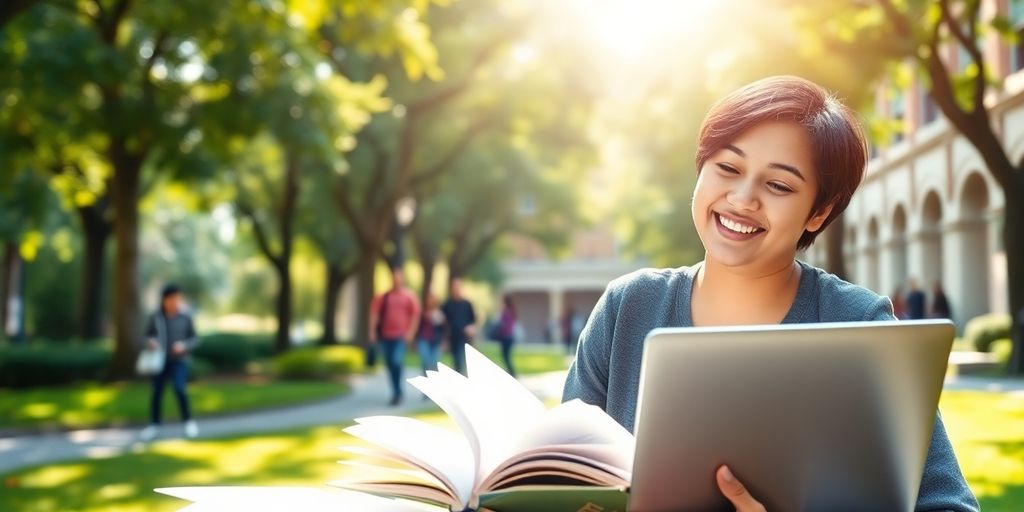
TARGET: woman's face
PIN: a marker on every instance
(753, 198)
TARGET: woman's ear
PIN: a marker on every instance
(816, 220)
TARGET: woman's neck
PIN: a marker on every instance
(724, 296)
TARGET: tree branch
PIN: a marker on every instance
(362, 233)
(430, 173)
(258, 230)
(147, 67)
(483, 244)
(970, 44)
(9, 9)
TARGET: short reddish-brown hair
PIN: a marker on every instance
(840, 151)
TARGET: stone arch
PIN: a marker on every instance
(898, 250)
(930, 239)
(850, 253)
(870, 279)
(971, 232)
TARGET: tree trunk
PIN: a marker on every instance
(834, 235)
(284, 260)
(335, 280)
(95, 232)
(283, 307)
(1013, 241)
(125, 305)
(429, 265)
(365, 277)
(6, 284)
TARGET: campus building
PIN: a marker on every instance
(928, 208)
(545, 289)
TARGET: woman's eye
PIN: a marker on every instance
(779, 187)
(728, 168)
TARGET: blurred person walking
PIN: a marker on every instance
(171, 330)
(899, 304)
(915, 301)
(506, 332)
(940, 303)
(461, 320)
(431, 334)
(394, 321)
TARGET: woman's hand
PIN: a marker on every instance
(735, 492)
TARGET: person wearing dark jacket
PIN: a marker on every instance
(171, 330)
(461, 320)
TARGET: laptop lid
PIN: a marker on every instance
(813, 417)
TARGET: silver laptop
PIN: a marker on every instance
(810, 417)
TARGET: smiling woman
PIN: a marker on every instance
(777, 160)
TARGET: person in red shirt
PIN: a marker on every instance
(394, 318)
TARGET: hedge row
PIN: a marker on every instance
(51, 363)
(982, 331)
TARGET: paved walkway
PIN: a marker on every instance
(368, 397)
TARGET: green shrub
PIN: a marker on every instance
(982, 330)
(318, 363)
(1001, 350)
(199, 368)
(230, 352)
(47, 364)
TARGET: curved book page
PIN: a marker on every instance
(438, 450)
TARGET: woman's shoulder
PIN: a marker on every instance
(840, 300)
(646, 280)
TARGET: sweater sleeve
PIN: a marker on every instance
(943, 487)
(588, 375)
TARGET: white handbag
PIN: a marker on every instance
(150, 361)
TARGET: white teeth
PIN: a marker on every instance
(736, 226)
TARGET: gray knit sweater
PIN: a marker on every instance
(606, 372)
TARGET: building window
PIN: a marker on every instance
(929, 110)
(1017, 49)
(897, 112)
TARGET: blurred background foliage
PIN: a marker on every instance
(260, 153)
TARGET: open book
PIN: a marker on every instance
(510, 453)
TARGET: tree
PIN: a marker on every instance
(118, 75)
(919, 32)
(281, 124)
(390, 158)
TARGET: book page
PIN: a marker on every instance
(286, 499)
(576, 422)
(438, 450)
(490, 407)
(585, 463)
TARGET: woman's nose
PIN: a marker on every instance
(743, 196)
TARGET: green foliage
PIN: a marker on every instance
(231, 352)
(981, 331)
(48, 364)
(319, 363)
(1001, 349)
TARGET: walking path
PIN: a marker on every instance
(369, 396)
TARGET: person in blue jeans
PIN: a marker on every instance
(394, 319)
(171, 329)
(431, 334)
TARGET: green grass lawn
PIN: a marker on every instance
(987, 431)
(94, 404)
